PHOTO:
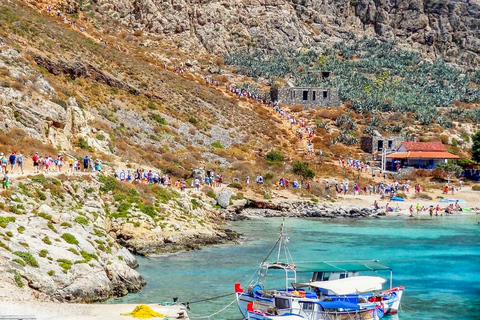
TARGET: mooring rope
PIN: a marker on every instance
(213, 314)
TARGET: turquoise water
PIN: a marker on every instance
(436, 259)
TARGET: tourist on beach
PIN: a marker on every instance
(247, 181)
(418, 208)
(430, 210)
(411, 210)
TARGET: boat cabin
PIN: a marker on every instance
(335, 270)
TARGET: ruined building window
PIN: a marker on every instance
(325, 94)
(380, 145)
(293, 94)
(305, 95)
(390, 144)
(325, 74)
(314, 95)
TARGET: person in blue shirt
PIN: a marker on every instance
(86, 162)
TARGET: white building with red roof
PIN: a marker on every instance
(421, 155)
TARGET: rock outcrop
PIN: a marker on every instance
(435, 28)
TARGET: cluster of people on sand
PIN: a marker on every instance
(242, 93)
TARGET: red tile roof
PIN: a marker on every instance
(422, 155)
(424, 146)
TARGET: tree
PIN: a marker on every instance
(450, 169)
(476, 147)
(303, 170)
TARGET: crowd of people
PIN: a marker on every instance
(243, 93)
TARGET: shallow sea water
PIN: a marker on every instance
(436, 259)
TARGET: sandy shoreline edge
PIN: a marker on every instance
(74, 311)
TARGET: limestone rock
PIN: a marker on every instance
(223, 198)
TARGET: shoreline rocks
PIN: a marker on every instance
(298, 209)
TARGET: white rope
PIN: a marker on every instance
(213, 314)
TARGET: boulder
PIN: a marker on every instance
(223, 198)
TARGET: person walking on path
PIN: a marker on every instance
(86, 162)
(20, 162)
(35, 160)
(6, 179)
(12, 159)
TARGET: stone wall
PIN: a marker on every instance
(308, 97)
(373, 144)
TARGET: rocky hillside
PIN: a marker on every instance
(442, 28)
(66, 237)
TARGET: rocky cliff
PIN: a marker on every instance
(64, 239)
(432, 27)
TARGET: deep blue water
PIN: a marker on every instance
(437, 260)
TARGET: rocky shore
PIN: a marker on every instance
(70, 238)
(297, 209)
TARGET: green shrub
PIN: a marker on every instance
(195, 203)
(82, 220)
(9, 233)
(149, 210)
(274, 157)
(193, 120)
(235, 185)
(39, 179)
(238, 196)
(27, 257)
(18, 279)
(66, 224)
(476, 187)
(4, 246)
(65, 264)
(20, 229)
(69, 238)
(43, 253)
(158, 118)
(211, 194)
(74, 251)
(46, 240)
(217, 145)
(40, 194)
(4, 221)
(99, 233)
(51, 273)
(109, 183)
(45, 216)
(100, 137)
(23, 244)
(165, 194)
(20, 262)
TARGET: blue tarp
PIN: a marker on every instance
(453, 200)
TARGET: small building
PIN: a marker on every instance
(376, 143)
(308, 97)
(419, 155)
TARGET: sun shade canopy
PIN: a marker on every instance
(348, 285)
(341, 266)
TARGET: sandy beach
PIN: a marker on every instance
(51, 311)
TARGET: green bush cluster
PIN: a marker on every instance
(27, 258)
(69, 238)
(381, 78)
(6, 220)
(82, 220)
